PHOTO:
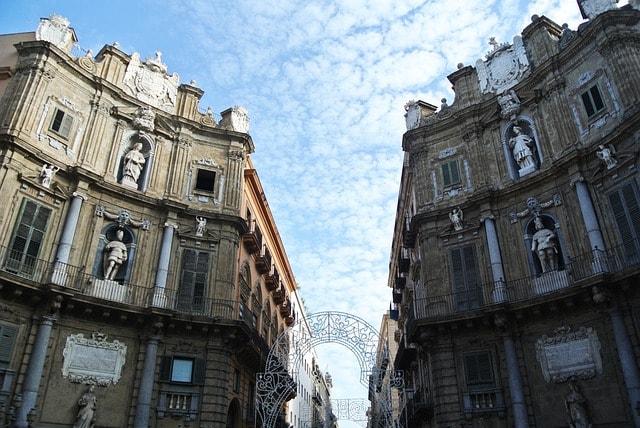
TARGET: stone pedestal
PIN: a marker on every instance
(109, 290)
(550, 281)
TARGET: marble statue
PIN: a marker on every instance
(522, 145)
(46, 174)
(509, 104)
(116, 255)
(576, 406)
(544, 245)
(606, 154)
(456, 217)
(201, 225)
(133, 163)
(87, 414)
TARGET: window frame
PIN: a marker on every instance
(593, 105)
(26, 264)
(65, 123)
(626, 215)
(478, 380)
(466, 282)
(197, 186)
(446, 172)
(8, 337)
(193, 279)
(167, 368)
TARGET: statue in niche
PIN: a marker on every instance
(509, 104)
(456, 217)
(201, 225)
(133, 163)
(576, 406)
(522, 148)
(544, 245)
(605, 153)
(115, 256)
(87, 414)
(46, 174)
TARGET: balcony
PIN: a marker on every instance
(36, 272)
(285, 310)
(252, 240)
(582, 271)
(272, 280)
(278, 296)
(263, 261)
(409, 236)
(404, 263)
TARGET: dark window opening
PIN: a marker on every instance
(205, 180)
(478, 370)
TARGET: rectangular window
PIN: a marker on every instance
(205, 180)
(478, 370)
(7, 341)
(182, 370)
(62, 123)
(27, 238)
(193, 280)
(592, 101)
(625, 206)
(250, 399)
(236, 380)
(465, 278)
(450, 173)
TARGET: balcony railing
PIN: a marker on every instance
(483, 401)
(37, 271)
(577, 272)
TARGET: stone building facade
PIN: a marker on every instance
(135, 289)
(516, 248)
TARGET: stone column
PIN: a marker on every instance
(159, 297)
(143, 405)
(33, 374)
(591, 224)
(66, 239)
(627, 362)
(519, 406)
(499, 290)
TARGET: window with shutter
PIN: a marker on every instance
(479, 370)
(27, 239)
(195, 268)
(625, 205)
(465, 277)
(62, 123)
(8, 335)
(450, 173)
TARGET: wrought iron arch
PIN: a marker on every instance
(275, 385)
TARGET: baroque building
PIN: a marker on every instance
(142, 277)
(516, 247)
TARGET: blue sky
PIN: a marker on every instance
(324, 82)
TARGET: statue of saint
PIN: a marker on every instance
(606, 154)
(544, 245)
(116, 255)
(522, 144)
(201, 225)
(133, 164)
(87, 414)
(456, 218)
(46, 174)
(576, 406)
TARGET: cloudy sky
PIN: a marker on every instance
(325, 82)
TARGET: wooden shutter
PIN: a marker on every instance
(199, 368)
(478, 368)
(166, 363)
(7, 341)
(626, 211)
(28, 236)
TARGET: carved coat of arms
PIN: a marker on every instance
(149, 82)
(503, 67)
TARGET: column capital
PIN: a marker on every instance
(79, 195)
(171, 224)
(577, 179)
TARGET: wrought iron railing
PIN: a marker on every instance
(579, 269)
(37, 271)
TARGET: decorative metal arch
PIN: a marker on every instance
(276, 385)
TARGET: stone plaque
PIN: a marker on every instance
(93, 361)
(568, 354)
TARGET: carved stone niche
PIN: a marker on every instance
(93, 360)
(569, 353)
